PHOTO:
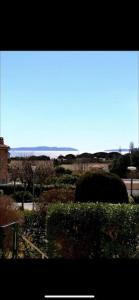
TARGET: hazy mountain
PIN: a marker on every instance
(118, 150)
(43, 148)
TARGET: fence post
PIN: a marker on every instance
(15, 240)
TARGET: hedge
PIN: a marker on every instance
(23, 196)
(92, 230)
(8, 189)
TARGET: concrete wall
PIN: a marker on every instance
(135, 186)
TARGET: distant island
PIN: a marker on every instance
(43, 148)
(118, 150)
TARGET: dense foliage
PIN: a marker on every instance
(8, 189)
(67, 179)
(23, 196)
(8, 211)
(8, 214)
(34, 228)
(61, 171)
(101, 187)
(63, 195)
(92, 230)
(119, 165)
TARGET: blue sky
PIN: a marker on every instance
(81, 99)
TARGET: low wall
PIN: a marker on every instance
(135, 186)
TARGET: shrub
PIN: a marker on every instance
(68, 171)
(136, 199)
(8, 211)
(20, 196)
(131, 199)
(59, 171)
(8, 214)
(8, 189)
(32, 219)
(62, 195)
(92, 230)
(119, 165)
(34, 228)
(67, 179)
(101, 187)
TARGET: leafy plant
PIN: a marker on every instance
(23, 196)
(92, 230)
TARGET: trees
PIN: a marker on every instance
(14, 173)
(119, 165)
(101, 187)
(59, 171)
(70, 157)
(135, 158)
(43, 172)
(131, 147)
(114, 155)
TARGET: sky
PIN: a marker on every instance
(87, 100)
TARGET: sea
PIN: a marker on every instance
(51, 154)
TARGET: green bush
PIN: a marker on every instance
(131, 199)
(59, 186)
(119, 165)
(55, 195)
(32, 219)
(100, 187)
(92, 230)
(59, 171)
(34, 228)
(136, 199)
(67, 179)
(8, 189)
(23, 196)
(68, 171)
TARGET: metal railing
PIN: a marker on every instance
(14, 227)
(15, 241)
(34, 247)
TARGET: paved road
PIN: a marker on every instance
(129, 180)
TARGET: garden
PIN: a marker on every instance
(87, 215)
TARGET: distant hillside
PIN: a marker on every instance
(43, 148)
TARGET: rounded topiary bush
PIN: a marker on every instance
(100, 187)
